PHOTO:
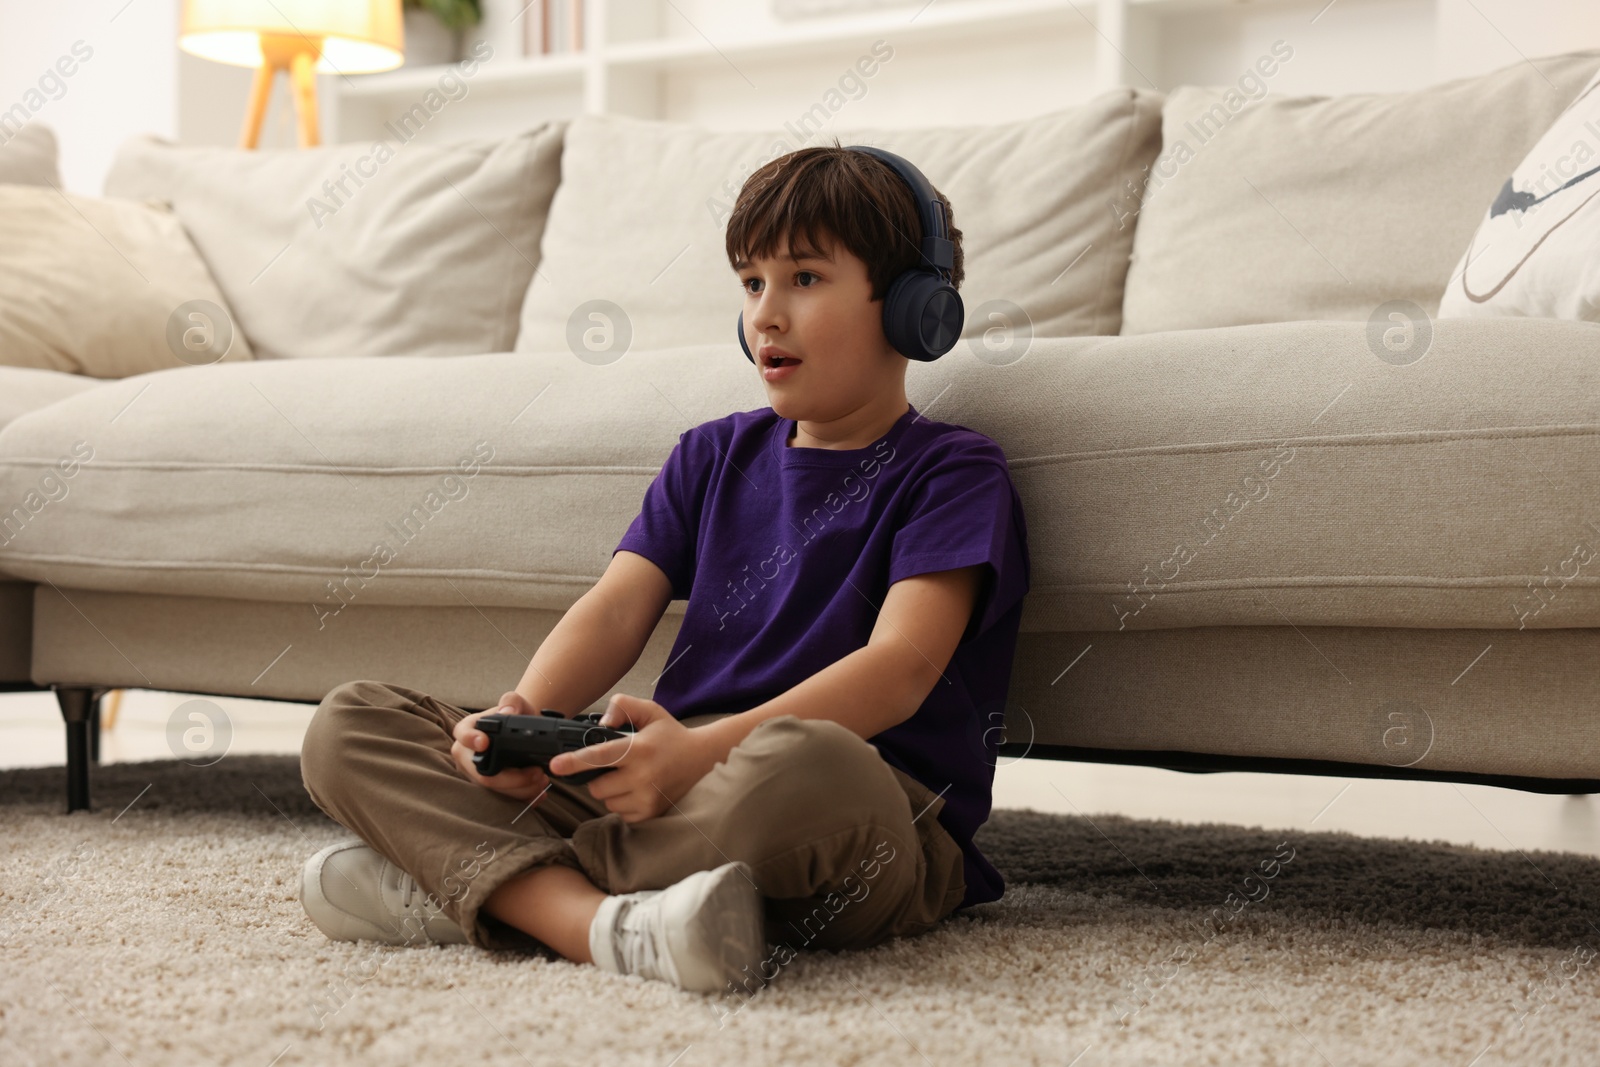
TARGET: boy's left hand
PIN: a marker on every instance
(653, 768)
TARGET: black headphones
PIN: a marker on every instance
(922, 312)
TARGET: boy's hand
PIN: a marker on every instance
(523, 783)
(654, 767)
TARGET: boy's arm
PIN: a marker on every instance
(599, 638)
(885, 682)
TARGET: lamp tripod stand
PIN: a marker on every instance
(297, 57)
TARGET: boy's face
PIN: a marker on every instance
(819, 310)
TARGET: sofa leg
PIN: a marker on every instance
(79, 705)
(94, 732)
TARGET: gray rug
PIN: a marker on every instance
(165, 928)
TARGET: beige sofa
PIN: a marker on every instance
(1261, 537)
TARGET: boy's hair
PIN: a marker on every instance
(853, 197)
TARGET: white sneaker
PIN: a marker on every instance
(353, 893)
(699, 934)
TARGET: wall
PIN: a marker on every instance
(127, 85)
(1352, 46)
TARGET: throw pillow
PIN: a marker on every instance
(28, 157)
(1533, 254)
(393, 248)
(106, 288)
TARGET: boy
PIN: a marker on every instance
(814, 762)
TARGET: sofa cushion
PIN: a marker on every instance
(1318, 207)
(641, 216)
(28, 157)
(370, 249)
(105, 287)
(25, 389)
(1190, 479)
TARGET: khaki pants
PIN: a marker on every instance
(846, 849)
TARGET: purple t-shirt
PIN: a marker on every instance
(785, 556)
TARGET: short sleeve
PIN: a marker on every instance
(666, 529)
(961, 513)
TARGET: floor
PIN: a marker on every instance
(31, 735)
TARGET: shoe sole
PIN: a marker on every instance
(729, 934)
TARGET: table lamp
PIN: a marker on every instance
(298, 37)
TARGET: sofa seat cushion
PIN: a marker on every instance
(25, 389)
(1326, 207)
(505, 479)
(1252, 475)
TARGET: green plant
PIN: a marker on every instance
(456, 15)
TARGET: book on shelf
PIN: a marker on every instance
(552, 26)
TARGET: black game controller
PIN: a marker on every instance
(535, 740)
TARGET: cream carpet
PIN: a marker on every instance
(165, 928)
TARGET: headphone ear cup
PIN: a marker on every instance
(922, 315)
(742, 342)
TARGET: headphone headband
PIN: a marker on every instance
(938, 252)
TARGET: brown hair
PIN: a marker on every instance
(854, 197)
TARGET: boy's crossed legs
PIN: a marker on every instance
(845, 850)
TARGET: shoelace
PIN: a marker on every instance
(427, 913)
(636, 938)
(408, 886)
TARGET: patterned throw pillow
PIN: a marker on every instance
(1533, 254)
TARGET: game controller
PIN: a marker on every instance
(535, 740)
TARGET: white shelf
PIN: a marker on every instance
(650, 58)
(1188, 6)
(952, 20)
(939, 21)
(525, 72)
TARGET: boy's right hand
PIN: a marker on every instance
(522, 783)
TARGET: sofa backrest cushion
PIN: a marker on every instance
(1325, 207)
(369, 249)
(108, 288)
(641, 216)
(28, 156)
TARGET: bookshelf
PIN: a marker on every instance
(700, 62)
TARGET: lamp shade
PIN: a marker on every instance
(356, 36)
